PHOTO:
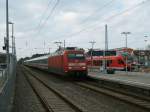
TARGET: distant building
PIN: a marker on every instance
(135, 56)
(142, 56)
(124, 51)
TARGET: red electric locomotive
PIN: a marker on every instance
(70, 61)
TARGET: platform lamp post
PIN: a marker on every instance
(145, 49)
(145, 40)
(126, 45)
(7, 37)
(13, 47)
(12, 37)
(92, 43)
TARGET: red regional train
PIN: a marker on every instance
(70, 61)
(112, 60)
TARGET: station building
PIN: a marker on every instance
(141, 57)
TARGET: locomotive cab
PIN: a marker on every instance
(76, 63)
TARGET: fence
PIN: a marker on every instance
(8, 86)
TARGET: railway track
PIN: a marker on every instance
(124, 96)
(51, 99)
(92, 88)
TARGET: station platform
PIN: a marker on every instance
(1, 82)
(136, 79)
(1, 78)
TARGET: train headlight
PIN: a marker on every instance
(70, 67)
(71, 64)
(84, 67)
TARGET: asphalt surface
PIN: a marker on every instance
(25, 98)
(133, 78)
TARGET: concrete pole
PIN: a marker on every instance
(12, 37)
(64, 44)
(126, 41)
(126, 56)
(92, 42)
(145, 41)
(106, 48)
(106, 37)
(7, 36)
(14, 46)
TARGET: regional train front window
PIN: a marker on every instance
(76, 56)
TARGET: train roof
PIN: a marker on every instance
(46, 56)
(101, 50)
(38, 58)
(60, 52)
(104, 57)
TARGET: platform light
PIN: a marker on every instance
(126, 45)
(92, 43)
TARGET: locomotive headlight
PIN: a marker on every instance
(70, 67)
(84, 67)
(71, 64)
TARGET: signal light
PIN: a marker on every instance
(5, 43)
(4, 47)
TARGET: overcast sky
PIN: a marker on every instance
(37, 27)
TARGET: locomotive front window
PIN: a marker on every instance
(76, 56)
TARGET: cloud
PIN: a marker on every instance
(77, 22)
(129, 3)
(70, 17)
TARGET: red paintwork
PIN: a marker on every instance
(59, 63)
(114, 64)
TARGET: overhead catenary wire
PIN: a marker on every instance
(49, 15)
(45, 11)
(105, 19)
(97, 10)
(86, 19)
(89, 16)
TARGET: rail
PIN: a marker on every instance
(56, 92)
(124, 96)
